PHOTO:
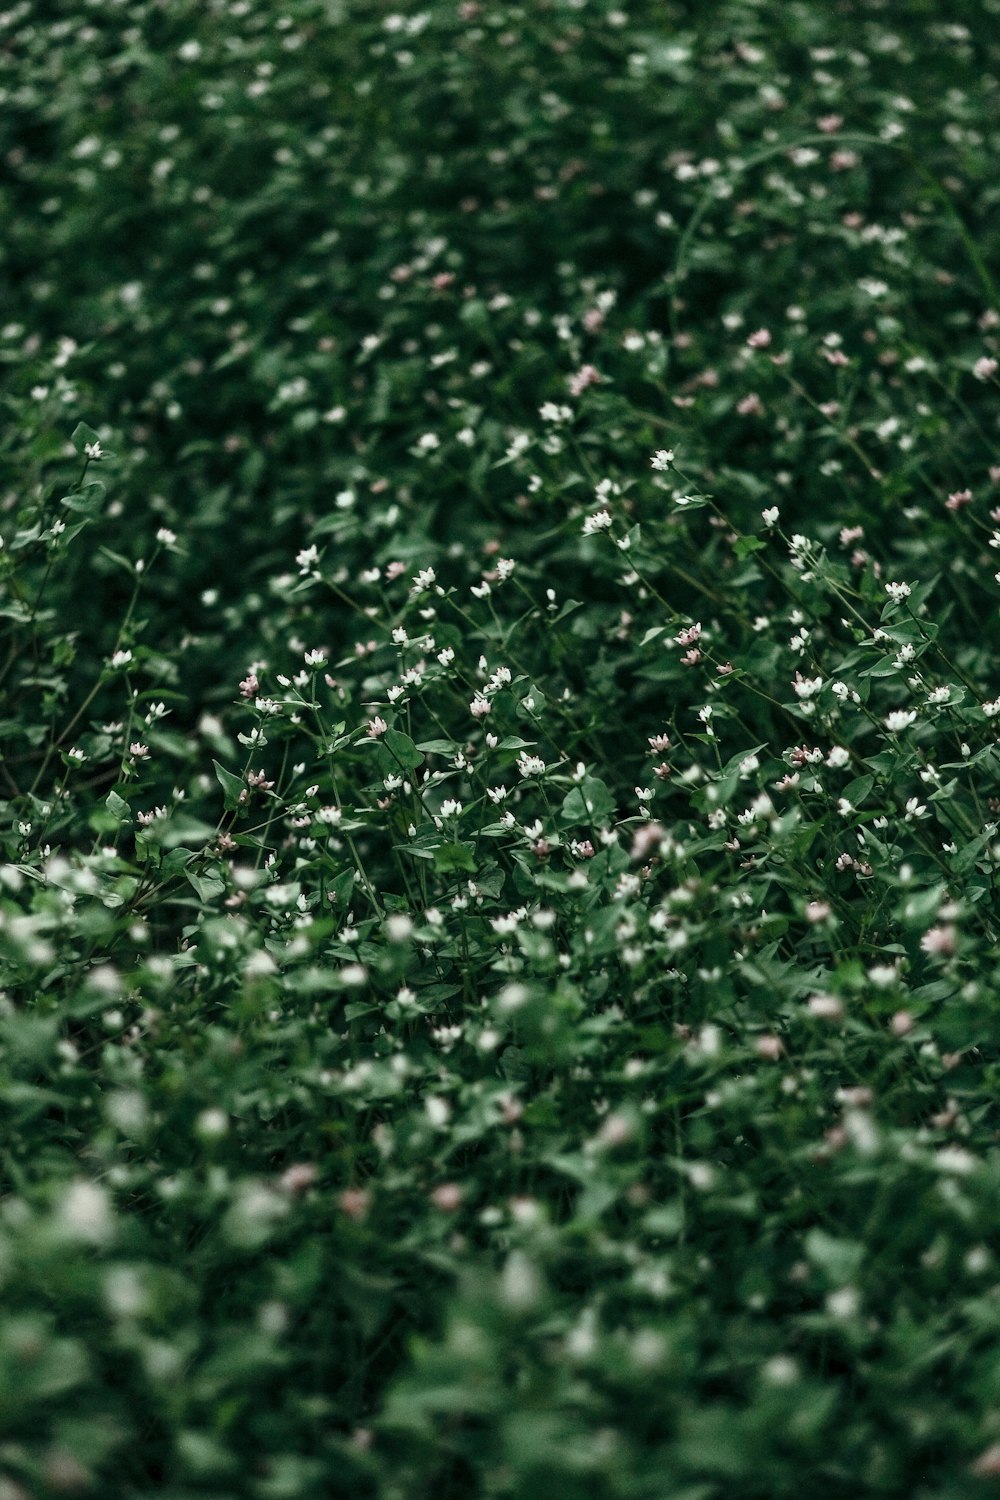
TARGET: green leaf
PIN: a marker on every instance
(117, 806)
(82, 435)
(231, 785)
(402, 752)
(207, 886)
(746, 545)
(857, 790)
(339, 890)
(455, 856)
(588, 803)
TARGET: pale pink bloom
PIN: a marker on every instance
(659, 743)
(479, 707)
(985, 368)
(615, 1131)
(769, 1047)
(140, 752)
(447, 1197)
(987, 1465)
(957, 499)
(817, 911)
(901, 1023)
(829, 124)
(843, 161)
(296, 1178)
(761, 339)
(939, 940)
(355, 1203)
(750, 405)
(586, 376)
(646, 838)
(826, 1007)
(691, 658)
(689, 635)
(250, 686)
(376, 727)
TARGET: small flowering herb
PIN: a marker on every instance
(501, 732)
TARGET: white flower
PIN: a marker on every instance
(93, 451)
(662, 459)
(599, 521)
(899, 719)
(898, 591)
(806, 687)
(166, 537)
(770, 515)
(530, 765)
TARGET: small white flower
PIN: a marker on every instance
(899, 719)
(599, 521)
(898, 591)
(806, 687)
(770, 515)
(662, 459)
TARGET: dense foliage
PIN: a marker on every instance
(499, 925)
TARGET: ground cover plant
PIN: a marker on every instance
(500, 511)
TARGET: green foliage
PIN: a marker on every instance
(498, 921)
